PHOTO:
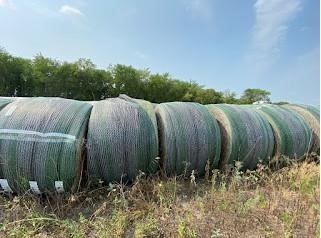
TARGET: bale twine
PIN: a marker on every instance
(189, 137)
(41, 144)
(311, 116)
(246, 135)
(121, 141)
(292, 135)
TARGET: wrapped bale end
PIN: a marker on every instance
(292, 135)
(246, 136)
(189, 137)
(311, 116)
(121, 141)
(41, 144)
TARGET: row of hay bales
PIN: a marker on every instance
(50, 144)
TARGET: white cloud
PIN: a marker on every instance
(6, 3)
(71, 11)
(272, 19)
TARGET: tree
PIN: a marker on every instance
(128, 80)
(281, 103)
(229, 97)
(209, 96)
(161, 88)
(43, 76)
(252, 95)
(193, 90)
(15, 75)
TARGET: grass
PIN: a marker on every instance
(267, 202)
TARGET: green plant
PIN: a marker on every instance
(184, 231)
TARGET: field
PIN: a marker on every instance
(273, 201)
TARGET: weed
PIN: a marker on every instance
(263, 203)
(166, 193)
(216, 233)
(146, 227)
(184, 231)
(112, 226)
(287, 220)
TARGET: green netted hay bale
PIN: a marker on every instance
(121, 141)
(41, 140)
(189, 137)
(311, 116)
(292, 134)
(4, 101)
(147, 106)
(246, 135)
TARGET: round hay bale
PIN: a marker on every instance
(311, 116)
(41, 140)
(189, 137)
(147, 106)
(4, 101)
(246, 135)
(292, 135)
(121, 141)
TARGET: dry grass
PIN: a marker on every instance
(261, 203)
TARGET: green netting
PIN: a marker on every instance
(246, 135)
(147, 106)
(41, 140)
(313, 110)
(121, 141)
(292, 135)
(189, 137)
(311, 116)
(4, 102)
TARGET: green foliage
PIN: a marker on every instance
(184, 230)
(230, 97)
(146, 227)
(42, 76)
(113, 226)
(251, 95)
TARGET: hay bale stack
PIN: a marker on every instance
(41, 141)
(311, 116)
(121, 141)
(246, 135)
(292, 135)
(189, 137)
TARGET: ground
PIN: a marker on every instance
(268, 202)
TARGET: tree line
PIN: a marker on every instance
(82, 80)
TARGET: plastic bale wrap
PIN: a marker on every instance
(311, 116)
(292, 134)
(121, 141)
(189, 137)
(41, 140)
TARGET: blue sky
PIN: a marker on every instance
(221, 44)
